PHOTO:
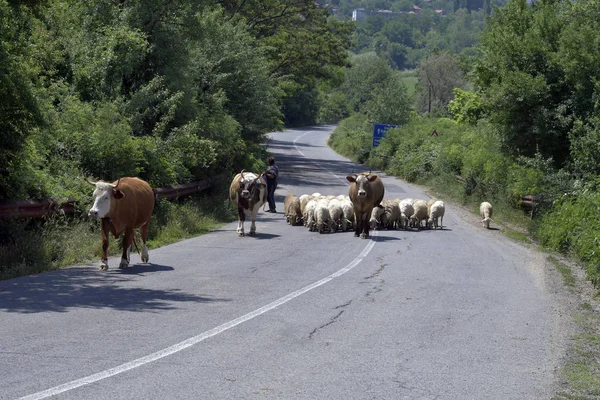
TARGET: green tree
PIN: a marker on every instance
(439, 75)
(18, 106)
(523, 84)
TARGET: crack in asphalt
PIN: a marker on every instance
(343, 305)
(331, 321)
(376, 273)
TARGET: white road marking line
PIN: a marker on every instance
(317, 164)
(196, 339)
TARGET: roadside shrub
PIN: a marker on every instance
(353, 138)
(571, 227)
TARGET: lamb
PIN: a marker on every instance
(348, 218)
(291, 207)
(391, 213)
(376, 216)
(336, 213)
(436, 211)
(406, 211)
(309, 215)
(322, 217)
(485, 210)
(419, 213)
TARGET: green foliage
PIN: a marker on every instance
(585, 147)
(531, 85)
(18, 106)
(367, 74)
(353, 137)
(570, 227)
(537, 176)
(404, 40)
(466, 107)
(167, 91)
(439, 74)
(390, 102)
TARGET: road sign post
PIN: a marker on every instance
(379, 131)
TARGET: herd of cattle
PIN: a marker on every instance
(127, 204)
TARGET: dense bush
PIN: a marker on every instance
(572, 227)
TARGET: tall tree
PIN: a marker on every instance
(438, 74)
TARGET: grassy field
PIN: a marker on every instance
(409, 77)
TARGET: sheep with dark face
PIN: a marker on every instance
(291, 209)
(375, 222)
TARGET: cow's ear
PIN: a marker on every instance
(372, 177)
(118, 194)
(351, 178)
(260, 182)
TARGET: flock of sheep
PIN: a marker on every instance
(336, 213)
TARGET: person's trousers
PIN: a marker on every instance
(271, 195)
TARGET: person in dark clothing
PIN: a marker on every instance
(271, 176)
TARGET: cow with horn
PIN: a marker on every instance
(123, 206)
(366, 191)
(248, 191)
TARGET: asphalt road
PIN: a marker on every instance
(458, 313)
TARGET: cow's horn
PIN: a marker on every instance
(90, 182)
(242, 173)
(117, 185)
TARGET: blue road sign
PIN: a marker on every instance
(379, 132)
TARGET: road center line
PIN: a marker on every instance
(199, 338)
(312, 161)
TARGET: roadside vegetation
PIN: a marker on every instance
(170, 92)
(516, 115)
(174, 92)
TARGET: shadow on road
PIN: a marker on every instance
(74, 288)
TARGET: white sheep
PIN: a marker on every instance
(437, 210)
(304, 199)
(391, 213)
(322, 217)
(336, 213)
(485, 210)
(419, 213)
(376, 215)
(309, 215)
(406, 211)
(348, 218)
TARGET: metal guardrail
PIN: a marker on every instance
(35, 209)
(42, 208)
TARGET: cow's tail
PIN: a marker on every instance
(136, 238)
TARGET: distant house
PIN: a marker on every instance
(416, 9)
(360, 14)
(440, 12)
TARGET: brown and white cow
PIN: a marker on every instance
(366, 191)
(248, 192)
(123, 206)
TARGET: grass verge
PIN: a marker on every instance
(34, 246)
